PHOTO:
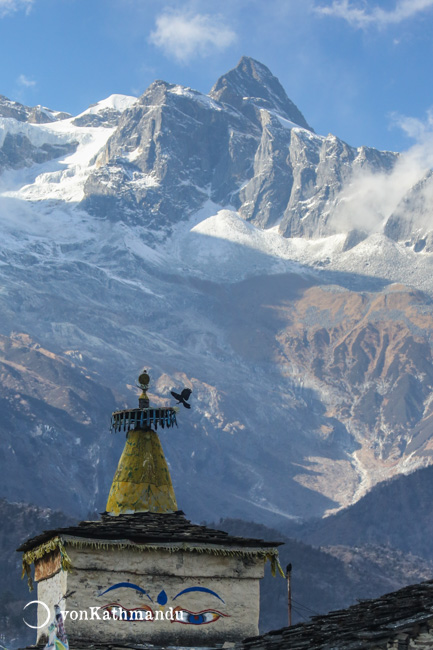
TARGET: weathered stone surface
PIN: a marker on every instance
(157, 563)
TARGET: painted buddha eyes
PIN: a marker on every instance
(196, 618)
(146, 612)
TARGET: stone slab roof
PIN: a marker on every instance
(400, 615)
(148, 528)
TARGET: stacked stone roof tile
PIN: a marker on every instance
(394, 619)
(148, 528)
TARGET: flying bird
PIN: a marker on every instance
(183, 397)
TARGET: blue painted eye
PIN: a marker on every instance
(197, 618)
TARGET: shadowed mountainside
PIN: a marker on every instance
(328, 578)
(397, 512)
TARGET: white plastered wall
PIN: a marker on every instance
(234, 579)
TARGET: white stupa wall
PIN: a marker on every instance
(219, 603)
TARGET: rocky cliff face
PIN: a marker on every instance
(32, 115)
(251, 86)
(245, 146)
(369, 357)
(17, 151)
(410, 223)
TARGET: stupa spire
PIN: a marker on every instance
(142, 481)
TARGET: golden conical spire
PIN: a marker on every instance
(142, 481)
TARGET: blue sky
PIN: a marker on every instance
(356, 68)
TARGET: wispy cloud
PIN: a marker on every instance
(185, 35)
(361, 17)
(10, 6)
(369, 198)
(419, 130)
(25, 81)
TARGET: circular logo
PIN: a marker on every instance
(38, 602)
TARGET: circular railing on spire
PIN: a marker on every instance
(145, 416)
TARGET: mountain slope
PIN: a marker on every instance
(397, 512)
(154, 237)
(328, 578)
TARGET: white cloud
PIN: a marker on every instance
(361, 17)
(419, 130)
(185, 35)
(25, 81)
(10, 6)
(368, 199)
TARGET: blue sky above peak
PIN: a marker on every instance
(350, 66)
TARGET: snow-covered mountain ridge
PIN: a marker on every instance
(208, 237)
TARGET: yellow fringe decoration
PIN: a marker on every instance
(273, 558)
(269, 555)
(58, 543)
(37, 553)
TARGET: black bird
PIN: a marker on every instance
(183, 397)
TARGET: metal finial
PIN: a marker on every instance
(144, 417)
(143, 381)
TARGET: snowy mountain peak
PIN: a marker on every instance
(106, 112)
(33, 114)
(117, 102)
(252, 83)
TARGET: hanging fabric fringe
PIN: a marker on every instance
(269, 555)
(37, 553)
